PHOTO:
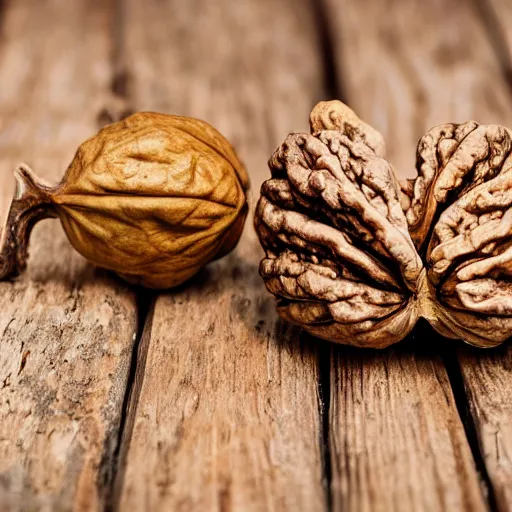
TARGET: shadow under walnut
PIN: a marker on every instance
(355, 257)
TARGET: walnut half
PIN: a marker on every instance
(356, 257)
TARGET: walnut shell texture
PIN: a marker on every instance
(356, 257)
(153, 198)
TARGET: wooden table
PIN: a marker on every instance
(200, 398)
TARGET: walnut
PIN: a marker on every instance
(355, 257)
(153, 198)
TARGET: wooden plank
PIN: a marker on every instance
(488, 376)
(228, 411)
(488, 383)
(66, 330)
(399, 442)
(396, 440)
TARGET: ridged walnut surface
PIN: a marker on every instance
(356, 257)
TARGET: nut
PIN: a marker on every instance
(356, 257)
(153, 198)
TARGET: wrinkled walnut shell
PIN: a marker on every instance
(153, 197)
(356, 257)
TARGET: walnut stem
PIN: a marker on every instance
(31, 203)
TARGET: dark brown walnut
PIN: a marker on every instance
(153, 197)
(356, 257)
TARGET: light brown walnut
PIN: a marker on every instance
(153, 197)
(356, 257)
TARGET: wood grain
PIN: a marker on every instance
(225, 411)
(396, 437)
(66, 330)
(488, 376)
(396, 440)
(488, 383)
(228, 412)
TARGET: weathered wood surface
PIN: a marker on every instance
(224, 406)
(488, 376)
(226, 414)
(396, 440)
(66, 330)
(488, 383)
(422, 69)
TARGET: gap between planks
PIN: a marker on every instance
(145, 307)
(122, 106)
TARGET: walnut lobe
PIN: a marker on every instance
(356, 257)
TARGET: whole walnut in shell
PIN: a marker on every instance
(356, 257)
(154, 198)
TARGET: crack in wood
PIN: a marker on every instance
(115, 474)
(333, 89)
(112, 467)
(324, 395)
(459, 390)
